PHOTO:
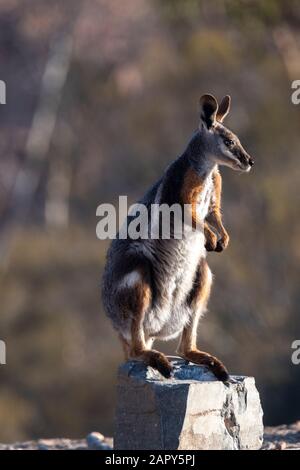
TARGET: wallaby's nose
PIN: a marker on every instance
(251, 161)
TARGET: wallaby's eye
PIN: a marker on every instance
(228, 143)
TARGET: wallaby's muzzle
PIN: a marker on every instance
(246, 162)
(251, 161)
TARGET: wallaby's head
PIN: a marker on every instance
(221, 145)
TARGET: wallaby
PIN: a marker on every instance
(159, 288)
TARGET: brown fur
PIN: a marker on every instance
(213, 363)
(140, 346)
(201, 286)
(143, 297)
(214, 219)
(188, 345)
(211, 238)
(191, 188)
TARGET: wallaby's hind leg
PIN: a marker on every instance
(139, 347)
(126, 346)
(137, 298)
(188, 344)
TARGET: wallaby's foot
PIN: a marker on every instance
(158, 361)
(220, 371)
(205, 359)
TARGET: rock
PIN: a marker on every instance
(59, 444)
(95, 440)
(286, 436)
(191, 410)
(280, 445)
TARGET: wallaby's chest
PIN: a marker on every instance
(188, 255)
(204, 197)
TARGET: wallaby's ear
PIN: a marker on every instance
(224, 108)
(208, 110)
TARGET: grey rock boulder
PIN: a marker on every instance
(95, 441)
(192, 410)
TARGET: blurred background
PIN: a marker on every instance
(101, 96)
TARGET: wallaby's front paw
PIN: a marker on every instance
(210, 247)
(211, 244)
(222, 244)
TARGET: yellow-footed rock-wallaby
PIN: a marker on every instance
(156, 288)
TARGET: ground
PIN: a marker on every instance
(282, 437)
